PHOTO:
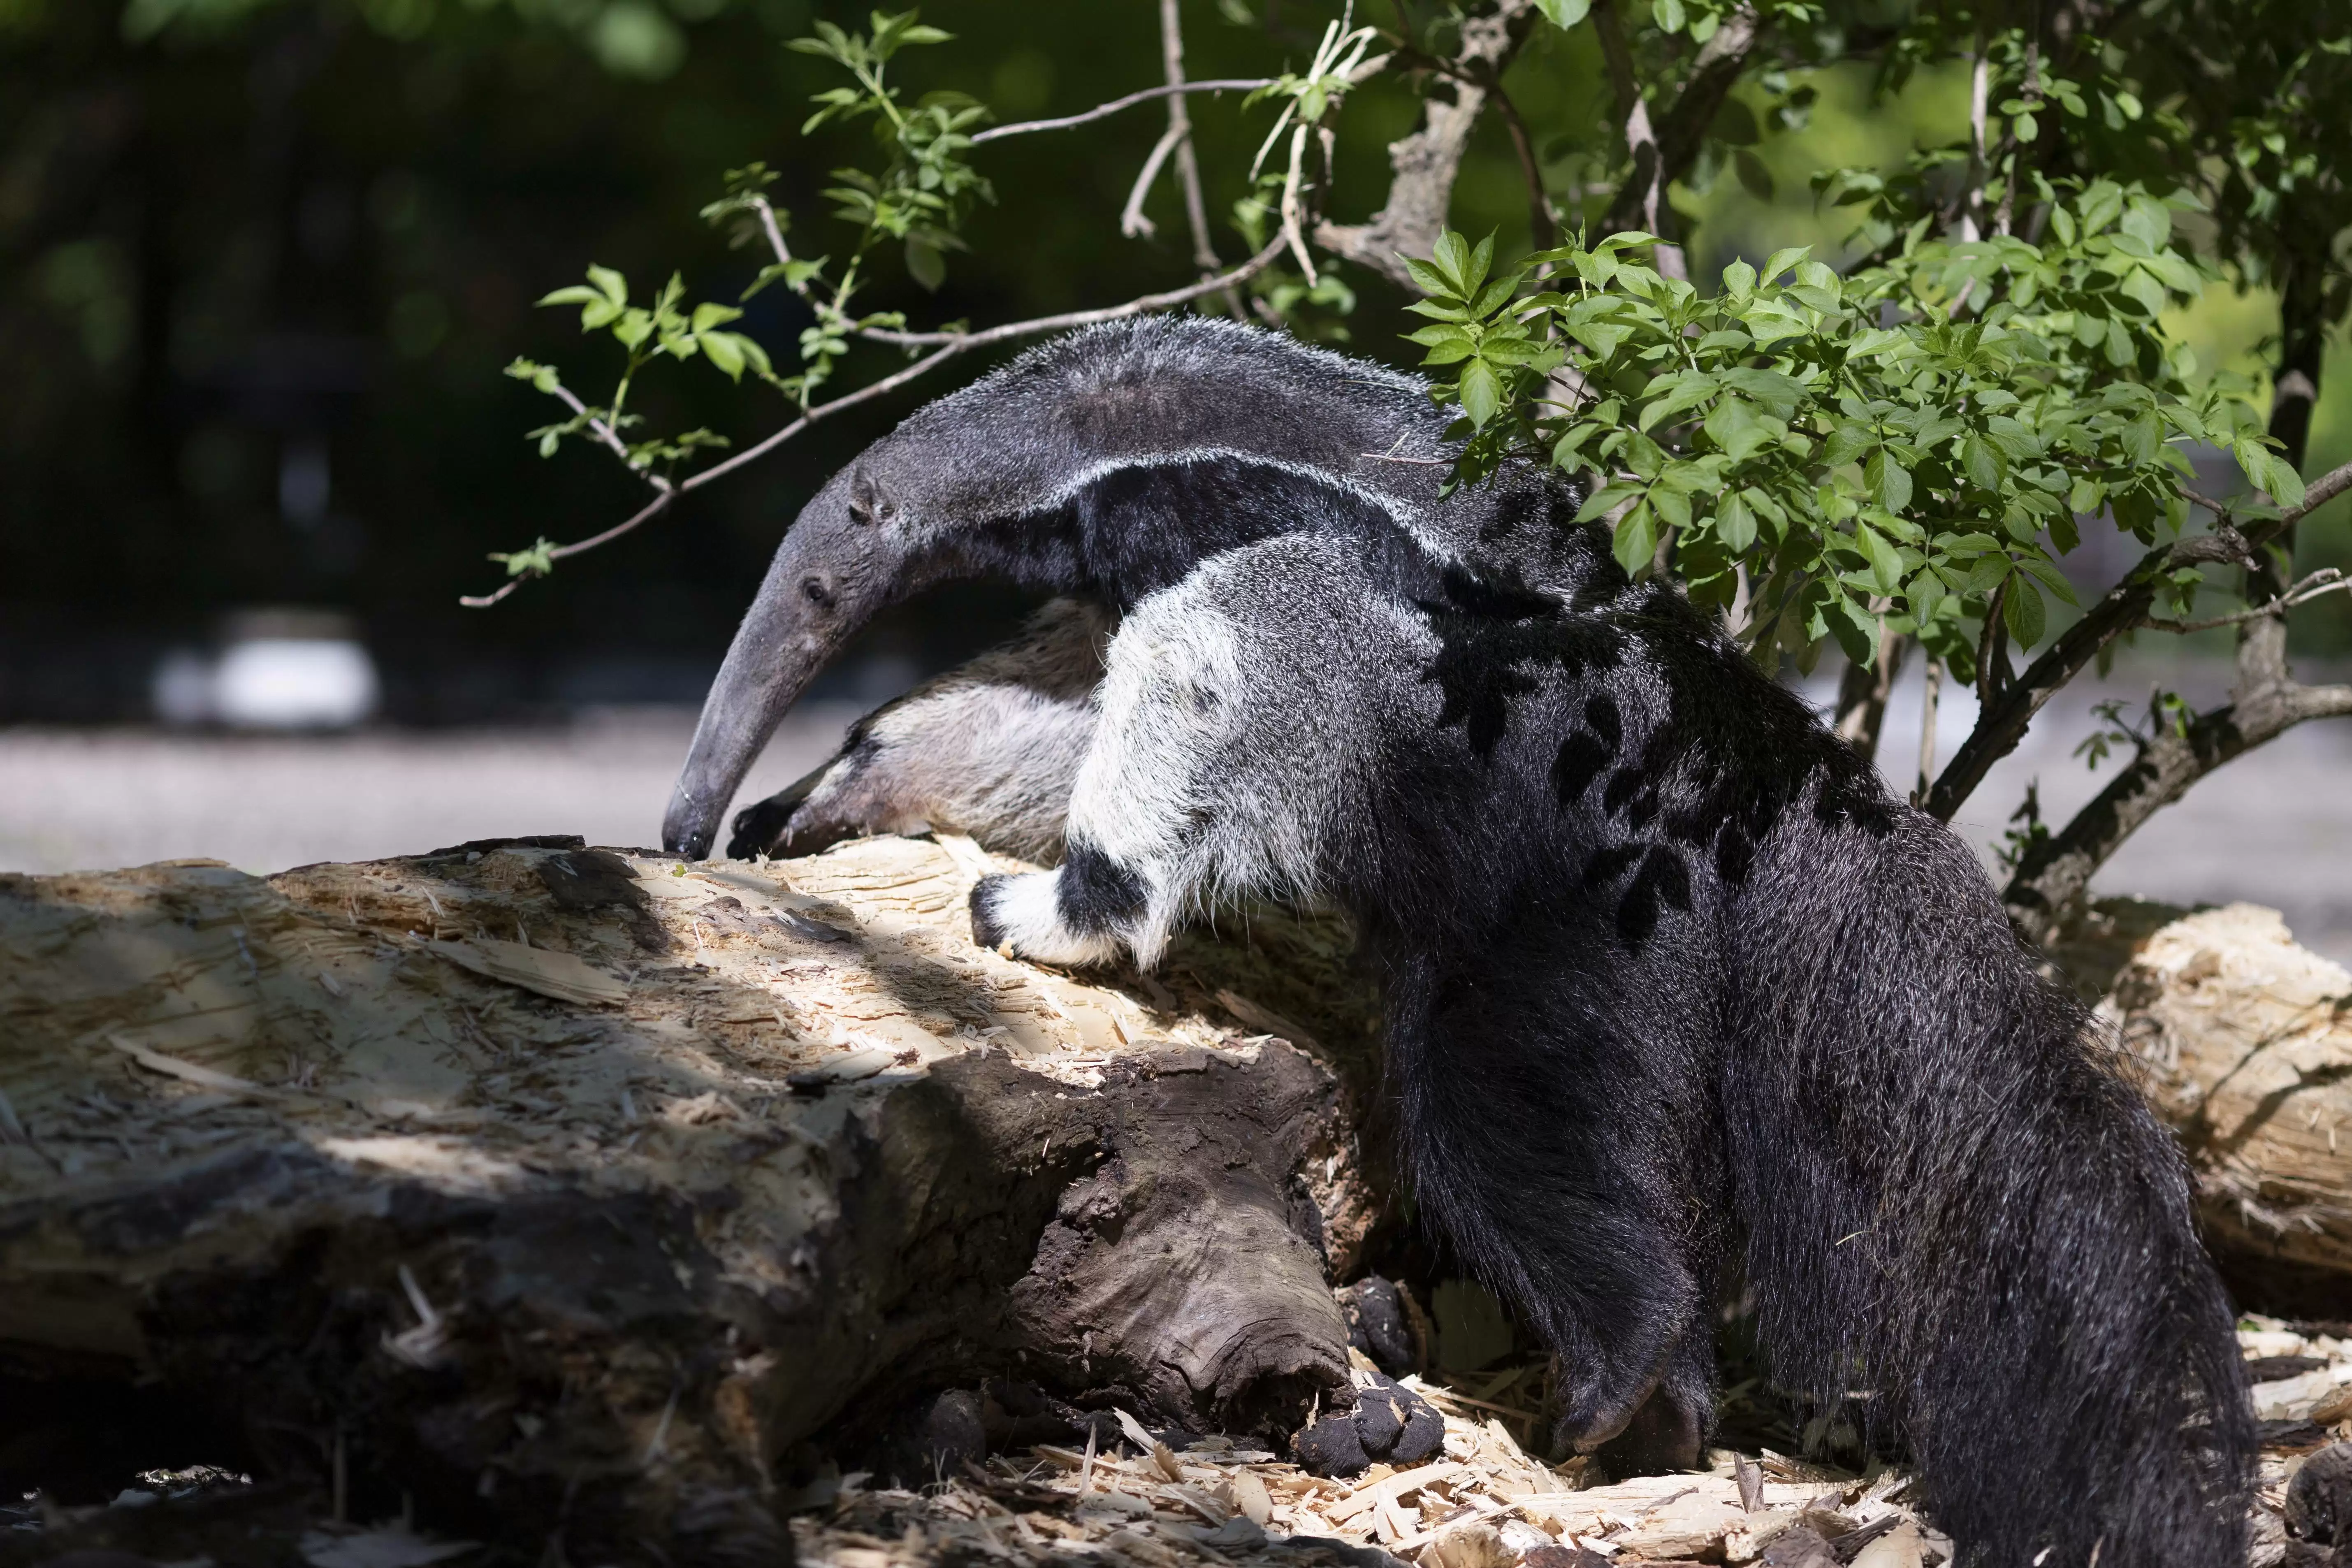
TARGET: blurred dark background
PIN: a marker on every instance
(264, 263)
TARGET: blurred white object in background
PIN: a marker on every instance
(183, 687)
(277, 670)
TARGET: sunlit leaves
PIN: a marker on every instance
(1851, 449)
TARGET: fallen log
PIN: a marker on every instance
(588, 1197)
(2243, 1041)
(572, 1192)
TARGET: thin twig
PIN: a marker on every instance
(1187, 161)
(2326, 580)
(1131, 221)
(2003, 719)
(1542, 225)
(1935, 678)
(1291, 208)
(1139, 306)
(774, 232)
(948, 345)
(605, 432)
(1104, 111)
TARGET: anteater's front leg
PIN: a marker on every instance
(1225, 743)
(991, 748)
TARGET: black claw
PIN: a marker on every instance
(985, 929)
(759, 827)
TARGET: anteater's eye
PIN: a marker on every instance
(817, 591)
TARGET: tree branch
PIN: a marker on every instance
(1637, 202)
(1104, 111)
(1864, 689)
(949, 345)
(2051, 879)
(1714, 74)
(1426, 162)
(1131, 221)
(2326, 580)
(1188, 163)
(2002, 721)
(1664, 148)
(1541, 224)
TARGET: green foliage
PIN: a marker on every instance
(927, 184)
(664, 327)
(1911, 442)
(2168, 714)
(536, 562)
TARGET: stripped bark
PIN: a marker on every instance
(1426, 162)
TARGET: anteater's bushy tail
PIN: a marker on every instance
(1956, 1205)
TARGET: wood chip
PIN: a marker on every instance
(1265, 1018)
(1395, 1486)
(539, 969)
(1249, 1497)
(193, 1072)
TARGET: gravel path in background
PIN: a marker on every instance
(2274, 827)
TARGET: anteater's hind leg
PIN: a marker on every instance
(991, 748)
(1569, 1163)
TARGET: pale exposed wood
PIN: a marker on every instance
(2245, 1040)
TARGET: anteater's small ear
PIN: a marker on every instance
(869, 501)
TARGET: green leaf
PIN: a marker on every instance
(536, 562)
(1481, 392)
(2023, 611)
(1451, 258)
(2054, 579)
(1688, 393)
(1636, 540)
(1846, 443)
(1983, 463)
(1605, 499)
(542, 377)
(1734, 523)
(2281, 480)
(925, 265)
(725, 351)
(1734, 426)
(1564, 13)
(614, 287)
(1494, 295)
(1673, 505)
(1473, 270)
(1786, 259)
(1886, 561)
(1429, 279)
(1668, 14)
(1889, 480)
